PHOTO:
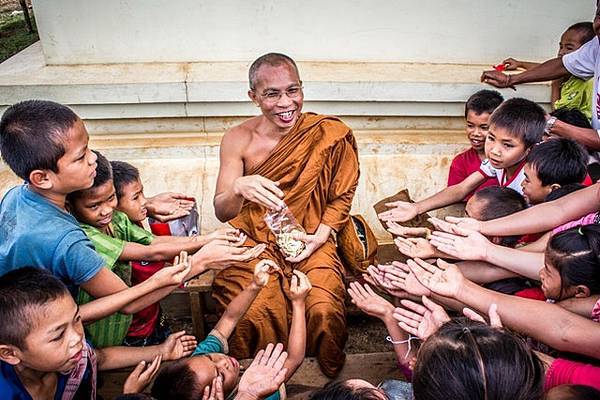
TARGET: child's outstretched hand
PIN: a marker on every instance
(176, 274)
(299, 287)
(444, 279)
(399, 230)
(415, 247)
(368, 301)
(178, 345)
(264, 375)
(226, 234)
(141, 376)
(495, 321)
(420, 320)
(400, 211)
(463, 244)
(214, 391)
(263, 270)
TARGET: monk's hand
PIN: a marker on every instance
(263, 270)
(299, 287)
(260, 190)
(311, 242)
(399, 211)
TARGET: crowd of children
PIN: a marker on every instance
(514, 317)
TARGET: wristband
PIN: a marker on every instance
(549, 125)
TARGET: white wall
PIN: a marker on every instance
(457, 31)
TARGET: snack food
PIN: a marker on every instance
(283, 224)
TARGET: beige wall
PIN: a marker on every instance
(458, 31)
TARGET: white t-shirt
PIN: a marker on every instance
(513, 182)
(584, 63)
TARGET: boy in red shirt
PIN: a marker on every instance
(478, 109)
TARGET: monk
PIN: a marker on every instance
(310, 163)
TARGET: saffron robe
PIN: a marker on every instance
(316, 165)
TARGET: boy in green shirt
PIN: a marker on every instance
(119, 241)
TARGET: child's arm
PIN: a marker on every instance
(511, 64)
(168, 277)
(405, 211)
(240, 304)
(299, 288)
(228, 234)
(176, 346)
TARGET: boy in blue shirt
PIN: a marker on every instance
(43, 351)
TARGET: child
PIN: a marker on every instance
(43, 351)
(552, 164)
(572, 264)
(515, 126)
(119, 241)
(570, 92)
(478, 109)
(187, 379)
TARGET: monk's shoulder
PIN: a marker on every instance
(240, 135)
(333, 127)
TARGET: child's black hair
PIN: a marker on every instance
(483, 101)
(522, 118)
(176, 381)
(575, 253)
(134, 396)
(32, 135)
(340, 390)
(103, 175)
(468, 360)
(572, 392)
(572, 116)
(500, 202)
(559, 161)
(563, 191)
(22, 293)
(585, 29)
(123, 174)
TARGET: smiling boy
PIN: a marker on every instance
(515, 126)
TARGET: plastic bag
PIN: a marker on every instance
(283, 224)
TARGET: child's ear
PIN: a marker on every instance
(40, 178)
(554, 186)
(9, 354)
(582, 291)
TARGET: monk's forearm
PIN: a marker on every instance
(227, 205)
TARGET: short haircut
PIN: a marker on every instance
(563, 191)
(522, 118)
(32, 135)
(585, 29)
(572, 116)
(22, 293)
(103, 175)
(340, 390)
(468, 360)
(271, 59)
(500, 202)
(483, 101)
(134, 396)
(573, 392)
(559, 161)
(123, 174)
(176, 380)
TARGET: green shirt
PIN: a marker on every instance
(111, 330)
(576, 93)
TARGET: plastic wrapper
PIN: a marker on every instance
(283, 224)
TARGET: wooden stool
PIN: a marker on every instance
(196, 288)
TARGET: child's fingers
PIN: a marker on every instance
(267, 354)
(471, 314)
(432, 306)
(152, 369)
(408, 329)
(415, 316)
(425, 265)
(411, 305)
(277, 351)
(139, 369)
(176, 335)
(495, 320)
(257, 358)
(294, 284)
(206, 394)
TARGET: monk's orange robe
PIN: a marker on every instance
(316, 165)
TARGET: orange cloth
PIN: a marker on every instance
(316, 165)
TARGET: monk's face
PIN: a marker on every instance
(278, 93)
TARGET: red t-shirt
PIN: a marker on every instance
(463, 165)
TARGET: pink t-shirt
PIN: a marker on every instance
(463, 165)
(563, 372)
(589, 219)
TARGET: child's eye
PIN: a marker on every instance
(57, 338)
(509, 146)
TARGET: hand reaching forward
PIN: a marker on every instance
(178, 345)
(402, 277)
(444, 279)
(299, 287)
(495, 321)
(141, 376)
(259, 190)
(168, 206)
(214, 391)
(219, 254)
(368, 301)
(396, 229)
(420, 320)
(453, 222)
(497, 79)
(226, 234)
(464, 245)
(400, 211)
(176, 274)
(377, 279)
(264, 375)
(263, 270)
(415, 247)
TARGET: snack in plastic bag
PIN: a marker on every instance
(283, 224)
